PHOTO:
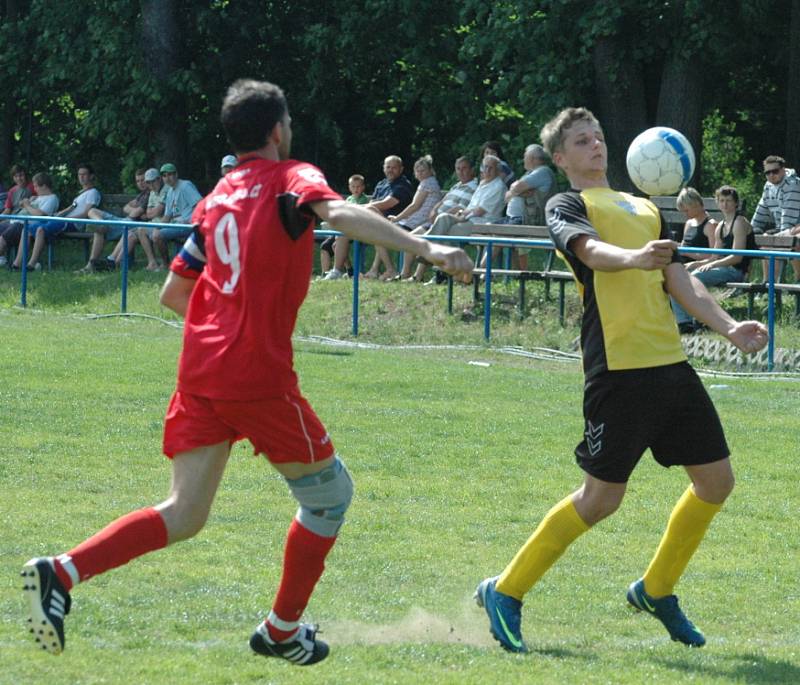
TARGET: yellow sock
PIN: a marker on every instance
(555, 533)
(687, 525)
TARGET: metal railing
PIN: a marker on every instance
(488, 243)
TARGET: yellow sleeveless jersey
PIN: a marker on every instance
(627, 319)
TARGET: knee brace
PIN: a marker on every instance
(323, 497)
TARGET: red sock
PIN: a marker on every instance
(128, 537)
(303, 564)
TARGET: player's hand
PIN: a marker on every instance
(748, 336)
(452, 260)
(657, 254)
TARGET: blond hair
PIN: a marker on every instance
(554, 131)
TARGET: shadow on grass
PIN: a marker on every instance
(747, 668)
(324, 351)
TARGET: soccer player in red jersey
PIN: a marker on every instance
(239, 282)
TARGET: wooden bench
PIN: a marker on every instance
(776, 243)
(547, 275)
(110, 202)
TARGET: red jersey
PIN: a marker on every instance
(252, 255)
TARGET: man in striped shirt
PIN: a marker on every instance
(778, 210)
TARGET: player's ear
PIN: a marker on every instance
(276, 134)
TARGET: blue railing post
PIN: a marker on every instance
(771, 315)
(23, 266)
(487, 294)
(356, 274)
(124, 295)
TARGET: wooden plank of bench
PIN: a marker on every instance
(510, 231)
(777, 242)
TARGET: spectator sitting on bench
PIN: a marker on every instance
(43, 203)
(485, 206)
(157, 194)
(699, 229)
(182, 196)
(456, 199)
(734, 232)
(415, 216)
(132, 211)
(778, 210)
(390, 195)
(21, 189)
(492, 147)
(337, 248)
(88, 198)
(528, 197)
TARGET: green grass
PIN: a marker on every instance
(454, 465)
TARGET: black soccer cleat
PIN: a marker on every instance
(304, 650)
(49, 603)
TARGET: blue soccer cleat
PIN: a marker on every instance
(505, 615)
(48, 601)
(666, 610)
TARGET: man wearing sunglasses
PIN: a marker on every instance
(778, 210)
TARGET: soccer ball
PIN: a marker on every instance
(660, 161)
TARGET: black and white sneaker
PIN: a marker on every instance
(304, 650)
(49, 603)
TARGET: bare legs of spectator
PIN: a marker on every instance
(324, 261)
(341, 253)
(382, 256)
(147, 248)
(38, 245)
(162, 246)
(116, 253)
(408, 260)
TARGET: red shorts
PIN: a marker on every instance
(285, 429)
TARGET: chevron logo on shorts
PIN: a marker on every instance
(593, 437)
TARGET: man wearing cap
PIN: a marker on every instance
(133, 211)
(182, 196)
(227, 164)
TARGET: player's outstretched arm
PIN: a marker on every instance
(692, 295)
(361, 224)
(602, 256)
(175, 293)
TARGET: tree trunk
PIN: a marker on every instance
(620, 94)
(792, 148)
(161, 51)
(680, 100)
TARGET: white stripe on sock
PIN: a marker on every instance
(287, 626)
(66, 562)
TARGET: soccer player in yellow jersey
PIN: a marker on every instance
(639, 393)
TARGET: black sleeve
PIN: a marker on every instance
(568, 219)
(296, 219)
(664, 235)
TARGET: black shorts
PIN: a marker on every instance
(327, 244)
(11, 231)
(665, 408)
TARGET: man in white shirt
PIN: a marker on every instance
(485, 206)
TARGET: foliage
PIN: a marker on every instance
(726, 159)
(365, 80)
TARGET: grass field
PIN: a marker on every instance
(454, 465)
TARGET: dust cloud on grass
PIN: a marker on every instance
(469, 627)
